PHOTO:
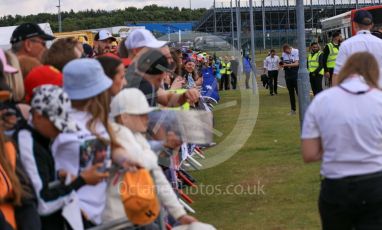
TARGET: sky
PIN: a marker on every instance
(25, 7)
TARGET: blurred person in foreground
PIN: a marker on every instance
(348, 146)
(10, 188)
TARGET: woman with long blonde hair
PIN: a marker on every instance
(88, 89)
(343, 129)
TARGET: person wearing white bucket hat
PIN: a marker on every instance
(129, 109)
(87, 87)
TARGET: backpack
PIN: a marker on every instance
(139, 198)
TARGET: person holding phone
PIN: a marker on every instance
(88, 89)
(49, 118)
(290, 63)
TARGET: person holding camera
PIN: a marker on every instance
(290, 63)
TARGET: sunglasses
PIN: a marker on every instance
(43, 43)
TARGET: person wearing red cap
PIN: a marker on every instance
(41, 75)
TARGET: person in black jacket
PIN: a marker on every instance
(235, 72)
(377, 31)
(49, 118)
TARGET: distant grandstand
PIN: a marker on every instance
(163, 28)
(280, 19)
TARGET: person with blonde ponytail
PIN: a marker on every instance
(88, 89)
(343, 129)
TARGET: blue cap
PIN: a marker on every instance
(363, 17)
(84, 78)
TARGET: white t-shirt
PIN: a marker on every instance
(74, 152)
(363, 41)
(350, 128)
(292, 57)
(272, 63)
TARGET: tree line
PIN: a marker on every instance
(91, 19)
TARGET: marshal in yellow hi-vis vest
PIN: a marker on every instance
(226, 68)
(333, 53)
(313, 63)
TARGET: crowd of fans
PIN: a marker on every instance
(75, 124)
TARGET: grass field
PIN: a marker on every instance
(270, 160)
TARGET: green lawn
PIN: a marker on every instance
(270, 158)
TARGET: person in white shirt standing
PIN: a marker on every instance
(362, 41)
(343, 129)
(290, 63)
(271, 64)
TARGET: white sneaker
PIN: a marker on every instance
(292, 112)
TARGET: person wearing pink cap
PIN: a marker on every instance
(6, 67)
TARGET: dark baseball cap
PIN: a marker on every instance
(363, 17)
(153, 62)
(29, 30)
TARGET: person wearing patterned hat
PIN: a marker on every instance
(50, 117)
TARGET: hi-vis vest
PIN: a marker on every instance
(225, 68)
(333, 52)
(185, 106)
(313, 62)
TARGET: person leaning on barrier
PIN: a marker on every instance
(348, 146)
(362, 41)
(330, 53)
(315, 68)
(152, 68)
